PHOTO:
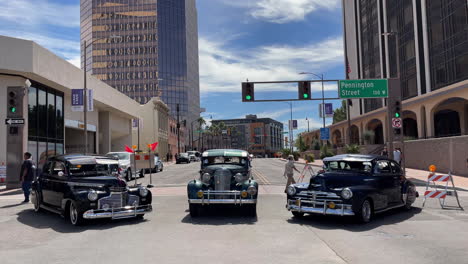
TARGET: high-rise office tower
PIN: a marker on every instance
(142, 46)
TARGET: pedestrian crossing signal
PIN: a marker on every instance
(248, 92)
(304, 91)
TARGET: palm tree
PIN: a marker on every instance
(201, 122)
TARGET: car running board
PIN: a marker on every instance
(390, 208)
(51, 209)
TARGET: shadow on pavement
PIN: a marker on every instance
(12, 193)
(49, 220)
(220, 216)
(12, 205)
(350, 224)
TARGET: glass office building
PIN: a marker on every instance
(156, 48)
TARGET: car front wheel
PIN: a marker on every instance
(364, 214)
(37, 202)
(251, 210)
(195, 210)
(297, 214)
(76, 217)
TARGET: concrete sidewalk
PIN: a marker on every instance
(419, 177)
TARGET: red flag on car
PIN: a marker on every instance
(128, 149)
(153, 146)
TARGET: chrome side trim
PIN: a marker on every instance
(223, 201)
(118, 213)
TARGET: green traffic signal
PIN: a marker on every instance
(397, 115)
(248, 97)
(305, 96)
(13, 109)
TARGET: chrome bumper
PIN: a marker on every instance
(118, 213)
(319, 207)
(209, 197)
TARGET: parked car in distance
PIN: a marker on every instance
(225, 179)
(182, 158)
(194, 155)
(353, 185)
(80, 187)
(158, 164)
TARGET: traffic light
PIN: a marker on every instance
(304, 91)
(397, 110)
(248, 92)
(15, 102)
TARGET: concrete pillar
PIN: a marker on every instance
(385, 126)
(105, 133)
(421, 121)
(429, 123)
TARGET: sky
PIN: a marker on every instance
(255, 40)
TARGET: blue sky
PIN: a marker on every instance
(259, 40)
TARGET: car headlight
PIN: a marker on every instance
(291, 190)
(346, 193)
(143, 191)
(92, 195)
(206, 178)
(252, 190)
(239, 178)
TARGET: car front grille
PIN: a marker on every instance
(222, 182)
(118, 200)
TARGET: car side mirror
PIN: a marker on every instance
(61, 174)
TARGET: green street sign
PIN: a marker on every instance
(377, 88)
(285, 132)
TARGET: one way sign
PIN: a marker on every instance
(14, 121)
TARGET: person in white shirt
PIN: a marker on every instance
(397, 155)
(289, 171)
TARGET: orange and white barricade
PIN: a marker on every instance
(439, 191)
(307, 169)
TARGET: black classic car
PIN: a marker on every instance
(83, 187)
(225, 179)
(353, 185)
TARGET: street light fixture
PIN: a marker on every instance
(85, 90)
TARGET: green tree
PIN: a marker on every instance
(300, 144)
(340, 113)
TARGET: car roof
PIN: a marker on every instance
(225, 153)
(352, 157)
(80, 158)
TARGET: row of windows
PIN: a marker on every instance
(112, 15)
(128, 76)
(129, 39)
(126, 27)
(125, 64)
(127, 51)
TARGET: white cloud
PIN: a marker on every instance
(283, 11)
(223, 69)
(35, 12)
(281, 112)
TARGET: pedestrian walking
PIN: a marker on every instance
(384, 152)
(27, 175)
(289, 169)
(397, 155)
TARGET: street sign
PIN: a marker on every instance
(285, 132)
(14, 121)
(377, 88)
(77, 100)
(397, 123)
(293, 124)
(325, 133)
(328, 110)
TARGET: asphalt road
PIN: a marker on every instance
(170, 235)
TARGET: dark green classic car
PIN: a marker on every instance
(225, 179)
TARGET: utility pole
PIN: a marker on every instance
(85, 102)
(178, 130)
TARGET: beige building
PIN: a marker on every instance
(153, 127)
(43, 83)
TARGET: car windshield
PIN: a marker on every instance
(120, 156)
(225, 160)
(92, 169)
(183, 154)
(361, 166)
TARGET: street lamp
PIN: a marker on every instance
(85, 90)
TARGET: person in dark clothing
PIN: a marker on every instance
(27, 175)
